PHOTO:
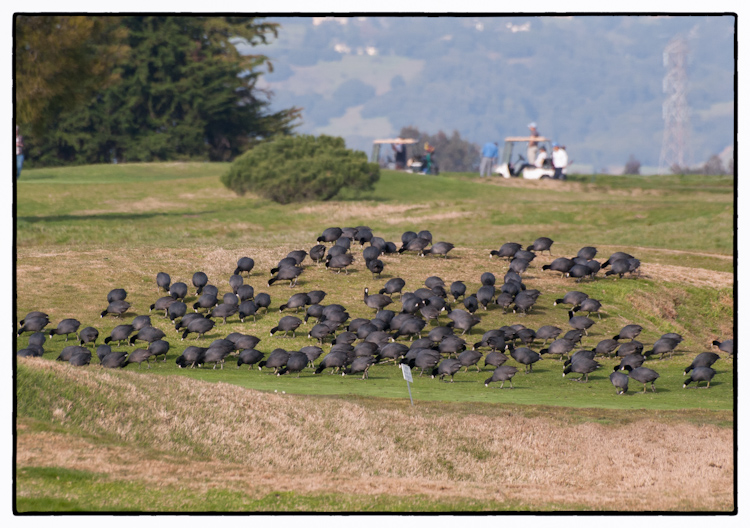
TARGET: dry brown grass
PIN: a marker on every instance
(391, 214)
(674, 252)
(140, 206)
(547, 184)
(725, 326)
(571, 186)
(694, 276)
(257, 440)
(338, 211)
(80, 280)
(661, 304)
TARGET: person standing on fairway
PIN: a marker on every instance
(560, 161)
(489, 158)
(19, 153)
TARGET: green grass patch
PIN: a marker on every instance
(544, 386)
(55, 489)
(164, 204)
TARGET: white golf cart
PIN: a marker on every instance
(407, 152)
(521, 167)
(411, 159)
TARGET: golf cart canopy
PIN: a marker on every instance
(396, 141)
(526, 139)
(511, 141)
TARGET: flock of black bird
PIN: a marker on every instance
(357, 344)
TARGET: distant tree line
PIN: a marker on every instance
(142, 88)
(713, 166)
(452, 154)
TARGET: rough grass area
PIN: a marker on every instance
(114, 441)
(178, 204)
(238, 439)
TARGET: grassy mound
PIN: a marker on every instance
(119, 441)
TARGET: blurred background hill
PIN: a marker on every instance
(593, 83)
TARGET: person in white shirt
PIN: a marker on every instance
(560, 161)
(541, 158)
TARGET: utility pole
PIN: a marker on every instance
(675, 110)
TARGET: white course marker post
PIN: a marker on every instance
(407, 376)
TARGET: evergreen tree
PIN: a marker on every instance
(60, 61)
(185, 92)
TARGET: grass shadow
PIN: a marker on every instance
(113, 217)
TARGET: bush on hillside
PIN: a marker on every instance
(633, 166)
(714, 166)
(301, 168)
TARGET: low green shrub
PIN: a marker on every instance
(301, 168)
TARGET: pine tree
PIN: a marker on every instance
(59, 62)
(184, 93)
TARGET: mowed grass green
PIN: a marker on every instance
(85, 230)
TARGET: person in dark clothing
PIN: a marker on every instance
(400, 153)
